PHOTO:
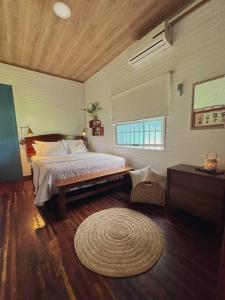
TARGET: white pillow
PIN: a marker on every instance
(49, 148)
(139, 175)
(74, 146)
(148, 174)
(72, 142)
(156, 176)
(79, 148)
(37, 149)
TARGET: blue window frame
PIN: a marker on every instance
(141, 134)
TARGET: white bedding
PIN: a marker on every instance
(48, 169)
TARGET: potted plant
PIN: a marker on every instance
(92, 110)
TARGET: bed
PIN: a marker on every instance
(51, 173)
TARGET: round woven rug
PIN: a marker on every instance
(118, 242)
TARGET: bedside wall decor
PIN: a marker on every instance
(95, 124)
(98, 131)
(93, 109)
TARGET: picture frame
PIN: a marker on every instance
(212, 115)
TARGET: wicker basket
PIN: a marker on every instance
(148, 192)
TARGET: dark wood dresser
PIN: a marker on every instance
(196, 192)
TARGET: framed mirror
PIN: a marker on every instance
(208, 103)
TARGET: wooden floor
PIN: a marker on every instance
(37, 258)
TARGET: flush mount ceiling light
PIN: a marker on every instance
(62, 10)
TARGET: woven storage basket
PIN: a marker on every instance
(148, 192)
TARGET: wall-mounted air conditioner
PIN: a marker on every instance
(159, 39)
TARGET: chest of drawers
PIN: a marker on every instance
(196, 192)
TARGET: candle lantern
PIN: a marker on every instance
(211, 161)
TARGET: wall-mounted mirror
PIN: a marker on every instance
(208, 104)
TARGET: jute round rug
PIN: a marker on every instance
(118, 242)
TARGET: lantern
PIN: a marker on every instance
(211, 161)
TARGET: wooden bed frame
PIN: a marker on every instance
(66, 185)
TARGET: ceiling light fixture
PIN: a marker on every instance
(62, 10)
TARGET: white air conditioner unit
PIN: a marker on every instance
(154, 42)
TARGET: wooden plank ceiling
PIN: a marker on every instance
(33, 37)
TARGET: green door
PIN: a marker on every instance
(10, 163)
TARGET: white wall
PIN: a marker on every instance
(45, 103)
(197, 54)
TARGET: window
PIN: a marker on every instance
(141, 134)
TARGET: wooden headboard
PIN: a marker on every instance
(54, 137)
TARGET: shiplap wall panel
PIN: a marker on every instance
(197, 54)
(45, 103)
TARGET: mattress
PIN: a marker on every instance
(48, 169)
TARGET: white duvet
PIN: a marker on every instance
(48, 169)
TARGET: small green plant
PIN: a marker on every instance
(93, 109)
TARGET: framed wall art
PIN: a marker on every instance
(208, 104)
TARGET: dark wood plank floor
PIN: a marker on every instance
(38, 261)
